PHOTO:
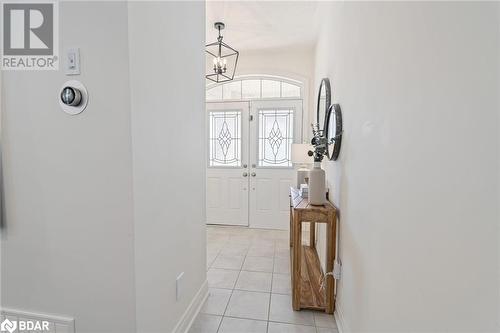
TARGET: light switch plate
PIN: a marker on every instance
(178, 286)
(72, 61)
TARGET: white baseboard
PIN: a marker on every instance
(56, 323)
(192, 311)
(339, 319)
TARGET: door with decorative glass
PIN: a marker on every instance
(227, 170)
(275, 126)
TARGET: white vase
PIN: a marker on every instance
(317, 193)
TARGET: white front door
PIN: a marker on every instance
(249, 170)
(275, 126)
(227, 169)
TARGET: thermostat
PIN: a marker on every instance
(73, 97)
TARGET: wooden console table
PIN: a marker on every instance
(305, 266)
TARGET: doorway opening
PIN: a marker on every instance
(251, 123)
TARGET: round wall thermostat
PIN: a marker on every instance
(73, 97)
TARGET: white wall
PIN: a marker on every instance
(417, 179)
(167, 66)
(68, 244)
(106, 208)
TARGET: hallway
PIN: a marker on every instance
(248, 273)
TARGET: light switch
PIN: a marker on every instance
(73, 61)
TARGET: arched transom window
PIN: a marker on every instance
(255, 87)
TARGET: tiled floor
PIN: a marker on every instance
(249, 286)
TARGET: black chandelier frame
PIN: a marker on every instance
(215, 77)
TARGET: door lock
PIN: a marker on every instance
(254, 174)
(245, 174)
(245, 166)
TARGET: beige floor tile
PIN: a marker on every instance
(282, 284)
(205, 324)
(216, 302)
(281, 311)
(228, 262)
(261, 251)
(282, 265)
(238, 325)
(290, 328)
(258, 264)
(324, 320)
(326, 330)
(254, 281)
(282, 253)
(222, 278)
(249, 305)
(234, 250)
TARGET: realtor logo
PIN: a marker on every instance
(8, 326)
(29, 35)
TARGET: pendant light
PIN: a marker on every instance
(221, 59)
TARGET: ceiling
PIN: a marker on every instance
(255, 25)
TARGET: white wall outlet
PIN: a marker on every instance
(72, 61)
(337, 269)
(178, 286)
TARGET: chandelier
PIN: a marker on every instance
(222, 59)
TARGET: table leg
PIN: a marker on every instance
(291, 226)
(296, 262)
(312, 235)
(330, 257)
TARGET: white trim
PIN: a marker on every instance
(192, 310)
(339, 319)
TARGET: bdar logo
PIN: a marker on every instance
(8, 326)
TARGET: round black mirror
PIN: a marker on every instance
(324, 101)
(333, 131)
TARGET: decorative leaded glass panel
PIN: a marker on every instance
(225, 138)
(275, 137)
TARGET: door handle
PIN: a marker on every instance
(254, 174)
(245, 174)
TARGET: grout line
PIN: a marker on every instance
(231, 296)
(270, 296)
